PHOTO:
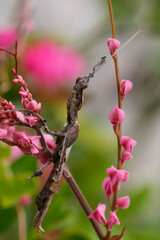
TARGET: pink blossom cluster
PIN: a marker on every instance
(9, 118)
(116, 116)
(115, 177)
(27, 101)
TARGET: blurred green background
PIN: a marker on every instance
(85, 25)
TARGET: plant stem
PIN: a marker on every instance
(119, 105)
(72, 183)
(22, 225)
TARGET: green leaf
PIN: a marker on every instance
(24, 164)
(8, 215)
(13, 187)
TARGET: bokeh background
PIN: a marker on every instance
(59, 40)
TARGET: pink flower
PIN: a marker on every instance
(116, 115)
(3, 133)
(107, 186)
(8, 37)
(128, 143)
(117, 176)
(35, 145)
(125, 156)
(23, 93)
(27, 144)
(99, 213)
(50, 141)
(52, 65)
(25, 200)
(123, 202)
(31, 120)
(31, 105)
(113, 219)
(113, 44)
(51, 145)
(126, 86)
(25, 102)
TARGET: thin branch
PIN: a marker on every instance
(112, 18)
(78, 194)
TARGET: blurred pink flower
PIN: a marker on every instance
(107, 186)
(128, 143)
(125, 156)
(15, 153)
(25, 200)
(3, 133)
(52, 65)
(99, 213)
(31, 120)
(113, 219)
(8, 36)
(117, 175)
(123, 202)
(126, 86)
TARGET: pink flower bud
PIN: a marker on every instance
(116, 115)
(113, 219)
(128, 143)
(125, 156)
(20, 78)
(23, 93)
(25, 102)
(107, 186)
(113, 44)
(117, 176)
(126, 86)
(31, 120)
(123, 202)
(11, 106)
(99, 213)
(33, 106)
(25, 200)
(13, 71)
(15, 81)
(3, 133)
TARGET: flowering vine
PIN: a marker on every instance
(112, 183)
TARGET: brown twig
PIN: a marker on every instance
(77, 192)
